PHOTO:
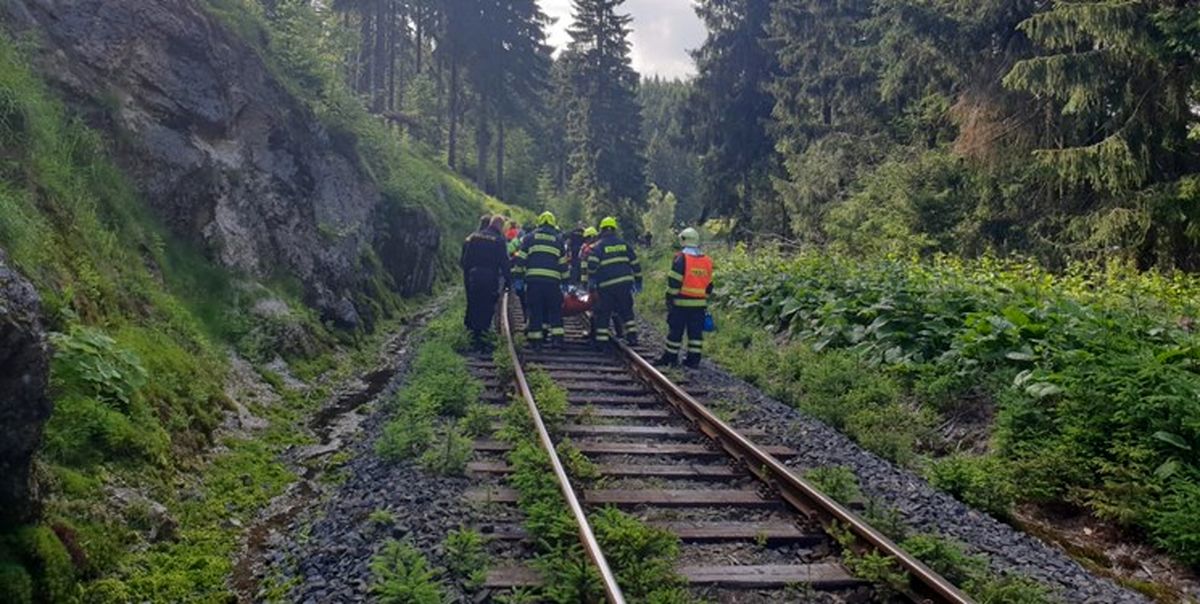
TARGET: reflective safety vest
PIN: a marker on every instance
(689, 281)
(697, 276)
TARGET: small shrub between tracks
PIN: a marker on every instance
(403, 576)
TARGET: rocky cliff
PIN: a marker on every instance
(222, 152)
(24, 406)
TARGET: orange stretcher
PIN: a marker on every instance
(577, 301)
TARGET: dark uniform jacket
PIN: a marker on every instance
(485, 257)
(543, 257)
(613, 262)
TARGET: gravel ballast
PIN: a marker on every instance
(326, 550)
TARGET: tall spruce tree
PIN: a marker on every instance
(729, 107)
(604, 125)
(1123, 76)
(671, 165)
(827, 114)
(1126, 83)
(461, 41)
(511, 72)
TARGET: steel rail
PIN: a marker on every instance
(925, 584)
(587, 538)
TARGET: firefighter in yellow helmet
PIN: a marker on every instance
(541, 273)
(615, 273)
(689, 285)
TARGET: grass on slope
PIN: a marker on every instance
(142, 323)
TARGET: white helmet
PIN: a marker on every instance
(689, 237)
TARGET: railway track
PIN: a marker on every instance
(751, 530)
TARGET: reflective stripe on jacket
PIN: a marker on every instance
(613, 262)
(543, 257)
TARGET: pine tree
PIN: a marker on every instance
(729, 107)
(604, 126)
(461, 40)
(827, 117)
(670, 164)
(1124, 74)
(511, 71)
(552, 127)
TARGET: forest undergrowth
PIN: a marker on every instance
(1083, 384)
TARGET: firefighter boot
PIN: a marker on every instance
(667, 360)
(693, 361)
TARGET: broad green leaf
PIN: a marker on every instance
(1040, 390)
(1173, 440)
(1167, 469)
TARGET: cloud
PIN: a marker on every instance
(663, 33)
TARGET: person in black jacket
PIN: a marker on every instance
(542, 272)
(485, 268)
(615, 273)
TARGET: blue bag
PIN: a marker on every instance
(709, 324)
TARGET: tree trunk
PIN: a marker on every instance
(500, 158)
(482, 140)
(364, 54)
(395, 37)
(420, 25)
(379, 72)
(452, 127)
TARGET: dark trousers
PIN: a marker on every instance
(543, 306)
(483, 289)
(690, 320)
(615, 302)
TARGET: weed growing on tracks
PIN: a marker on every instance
(551, 398)
(970, 572)
(516, 423)
(478, 421)
(438, 389)
(450, 455)
(836, 481)
(874, 567)
(403, 576)
(505, 372)
(466, 557)
(642, 558)
(578, 466)
(382, 518)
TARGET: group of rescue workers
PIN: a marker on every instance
(546, 267)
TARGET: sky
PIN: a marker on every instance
(663, 33)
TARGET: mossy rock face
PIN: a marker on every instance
(50, 563)
(16, 586)
(24, 406)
